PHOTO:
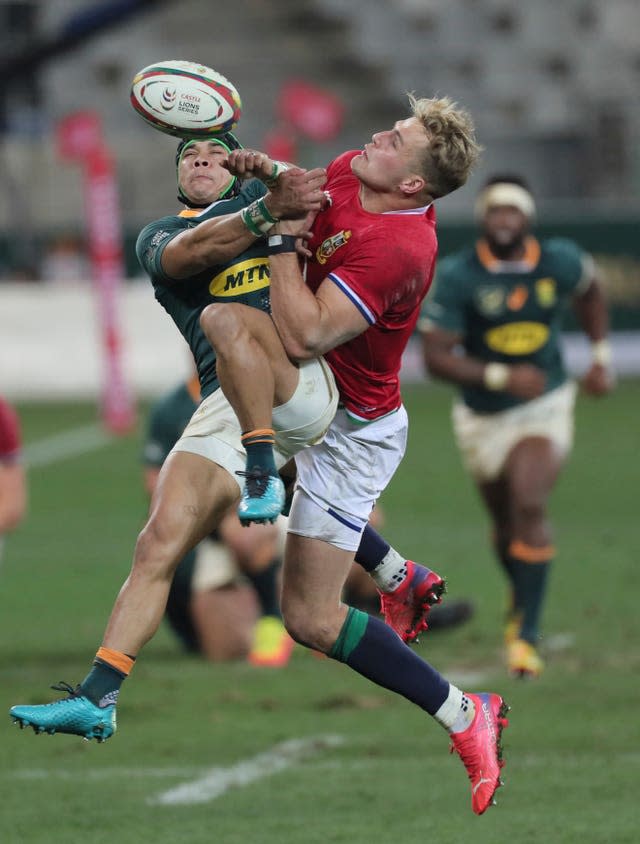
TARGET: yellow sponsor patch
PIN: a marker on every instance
(244, 277)
(517, 338)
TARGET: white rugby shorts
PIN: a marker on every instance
(214, 432)
(341, 478)
(214, 567)
(485, 440)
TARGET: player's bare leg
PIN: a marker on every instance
(191, 495)
(256, 376)
(496, 497)
(314, 575)
(516, 502)
(531, 471)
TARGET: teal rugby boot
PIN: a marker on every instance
(74, 714)
(262, 498)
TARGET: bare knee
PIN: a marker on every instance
(529, 514)
(309, 627)
(531, 524)
(221, 322)
(156, 555)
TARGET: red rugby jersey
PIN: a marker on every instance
(384, 263)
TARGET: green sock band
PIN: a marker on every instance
(350, 635)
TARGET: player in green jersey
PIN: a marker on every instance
(501, 302)
(212, 251)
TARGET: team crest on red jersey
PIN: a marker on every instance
(331, 245)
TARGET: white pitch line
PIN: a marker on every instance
(216, 781)
(558, 642)
(466, 679)
(67, 444)
(107, 773)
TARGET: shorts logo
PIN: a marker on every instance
(546, 292)
(330, 245)
(491, 300)
(517, 298)
(244, 277)
(517, 338)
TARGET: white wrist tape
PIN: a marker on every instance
(495, 376)
(601, 353)
(278, 167)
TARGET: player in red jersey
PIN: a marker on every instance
(13, 483)
(370, 259)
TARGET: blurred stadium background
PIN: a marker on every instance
(552, 85)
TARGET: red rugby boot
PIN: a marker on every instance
(479, 747)
(406, 609)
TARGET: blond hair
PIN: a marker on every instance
(452, 151)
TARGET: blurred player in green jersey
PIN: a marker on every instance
(500, 301)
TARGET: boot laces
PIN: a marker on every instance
(257, 481)
(66, 687)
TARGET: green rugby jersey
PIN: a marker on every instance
(244, 279)
(508, 311)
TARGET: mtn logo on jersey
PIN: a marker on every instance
(331, 245)
(244, 277)
(517, 338)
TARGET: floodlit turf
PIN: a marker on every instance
(573, 747)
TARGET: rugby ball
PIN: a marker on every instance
(185, 99)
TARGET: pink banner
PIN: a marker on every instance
(315, 113)
(78, 135)
(105, 245)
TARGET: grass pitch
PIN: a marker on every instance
(370, 766)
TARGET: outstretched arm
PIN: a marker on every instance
(442, 360)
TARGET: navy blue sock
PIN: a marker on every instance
(372, 549)
(259, 447)
(372, 649)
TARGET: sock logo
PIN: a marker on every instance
(110, 699)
